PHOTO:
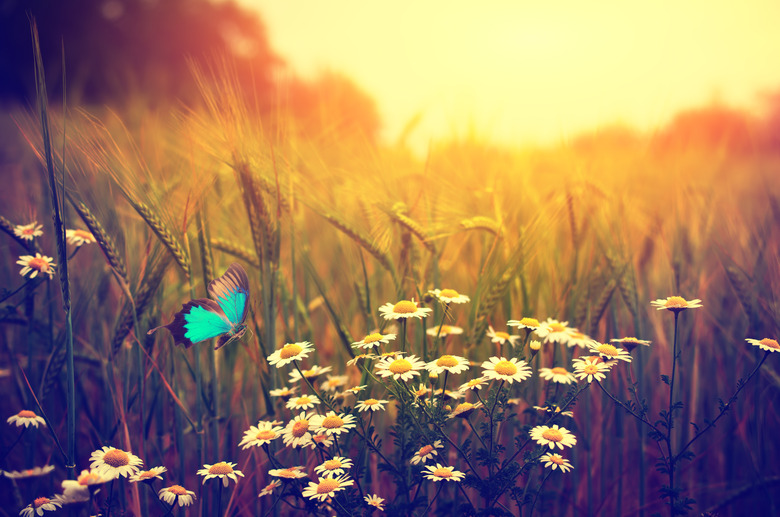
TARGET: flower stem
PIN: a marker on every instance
(670, 423)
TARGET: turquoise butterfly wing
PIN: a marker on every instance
(202, 319)
(231, 291)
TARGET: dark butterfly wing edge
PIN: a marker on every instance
(177, 326)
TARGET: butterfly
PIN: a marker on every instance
(202, 319)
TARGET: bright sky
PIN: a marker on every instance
(521, 71)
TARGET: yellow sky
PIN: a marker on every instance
(533, 71)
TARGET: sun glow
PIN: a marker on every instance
(521, 72)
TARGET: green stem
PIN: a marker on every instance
(670, 423)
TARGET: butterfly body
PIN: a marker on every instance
(203, 318)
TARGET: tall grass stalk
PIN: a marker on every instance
(59, 231)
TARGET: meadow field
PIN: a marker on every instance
(425, 336)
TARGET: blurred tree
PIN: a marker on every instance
(115, 49)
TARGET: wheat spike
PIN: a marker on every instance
(143, 296)
(236, 250)
(164, 234)
(352, 233)
(414, 227)
(601, 304)
(104, 240)
(481, 223)
(744, 290)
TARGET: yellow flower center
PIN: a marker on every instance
(552, 435)
(220, 469)
(300, 428)
(502, 335)
(302, 401)
(400, 366)
(28, 231)
(290, 350)
(405, 307)
(26, 413)
(771, 343)
(372, 338)
(177, 490)
(332, 422)
(332, 464)
(319, 438)
(445, 329)
(609, 350)
(474, 382)
(442, 473)
(146, 474)
(116, 458)
(558, 460)
(675, 301)
(424, 450)
(557, 327)
(449, 293)
(266, 434)
(288, 473)
(370, 402)
(310, 373)
(590, 369)
(88, 479)
(529, 322)
(505, 368)
(327, 485)
(559, 371)
(535, 345)
(40, 502)
(465, 406)
(446, 361)
(577, 335)
(38, 263)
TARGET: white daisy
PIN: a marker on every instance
(426, 452)
(148, 475)
(40, 505)
(39, 264)
(335, 466)
(262, 433)
(500, 337)
(609, 352)
(554, 461)
(269, 488)
(552, 436)
(557, 374)
(439, 473)
(525, 323)
(375, 501)
(28, 232)
(373, 340)
(110, 462)
(298, 431)
(26, 418)
(445, 330)
(310, 374)
(676, 304)
(509, 370)
(473, 384)
(371, 405)
(403, 310)
(326, 487)
(28, 473)
(770, 345)
(290, 352)
(222, 470)
(302, 402)
(448, 363)
(288, 473)
(332, 423)
(176, 494)
(399, 367)
(591, 367)
(554, 331)
(450, 296)
(79, 237)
